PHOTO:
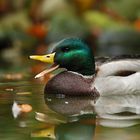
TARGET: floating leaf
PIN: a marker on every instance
(26, 108)
(16, 110)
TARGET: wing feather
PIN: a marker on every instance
(117, 66)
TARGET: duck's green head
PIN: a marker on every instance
(72, 54)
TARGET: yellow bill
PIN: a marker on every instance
(49, 58)
(48, 133)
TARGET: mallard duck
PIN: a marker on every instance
(86, 75)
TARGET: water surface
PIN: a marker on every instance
(65, 118)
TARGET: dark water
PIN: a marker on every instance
(110, 118)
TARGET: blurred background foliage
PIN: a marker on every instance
(32, 26)
(109, 27)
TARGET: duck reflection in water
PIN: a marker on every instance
(112, 111)
(69, 120)
(83, 114)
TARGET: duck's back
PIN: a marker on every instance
(118, 75)
(123, 65)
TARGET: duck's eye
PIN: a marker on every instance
(65, 49)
